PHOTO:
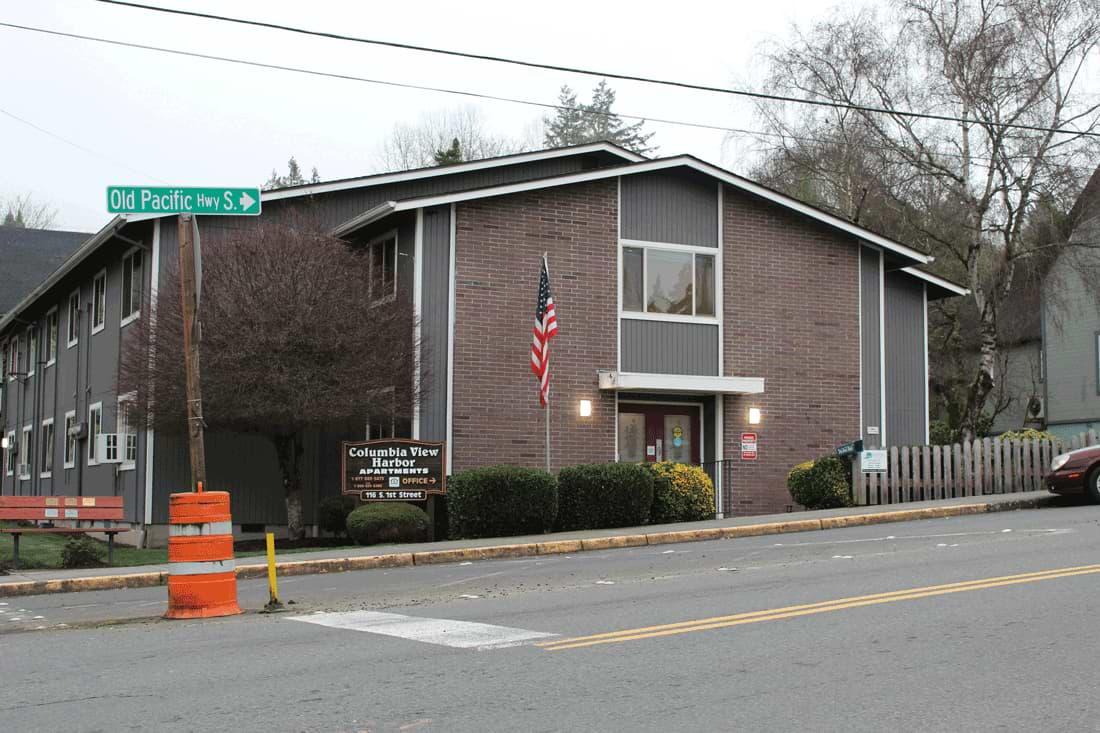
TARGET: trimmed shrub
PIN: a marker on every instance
(681, 493)
(820, 484)
(332, 513)
(598, 495)
(81, 552)
(497, 501)
(1029, 434)
(388, 522)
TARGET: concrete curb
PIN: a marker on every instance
(554, 547)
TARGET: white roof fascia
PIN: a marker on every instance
(680, 383)
(474, 165)
(362, 220)
(90, 245)
(662, 164)
(937, 281)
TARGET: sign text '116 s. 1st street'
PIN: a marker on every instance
(394, 470)
(224, 201)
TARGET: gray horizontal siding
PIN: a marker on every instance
(670, 207)
(662, 347)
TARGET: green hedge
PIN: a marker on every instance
(598, 495)
(681, 493)
(497, 501)
(820, 484)
(387, 522)
(332, 513)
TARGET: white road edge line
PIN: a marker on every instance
(445, 632)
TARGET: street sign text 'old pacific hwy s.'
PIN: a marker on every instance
(178, 200)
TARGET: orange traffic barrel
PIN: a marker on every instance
(202, 578)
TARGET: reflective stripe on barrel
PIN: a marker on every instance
(202, 581)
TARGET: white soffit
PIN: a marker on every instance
(682, 383)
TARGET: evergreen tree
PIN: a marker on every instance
(293, 176)
(450, 156)
(575, 123)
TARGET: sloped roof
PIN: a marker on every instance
(28, 256)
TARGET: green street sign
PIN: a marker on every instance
(172, 200)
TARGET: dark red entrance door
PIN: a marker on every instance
(662, 432)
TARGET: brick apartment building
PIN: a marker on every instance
(686, 296)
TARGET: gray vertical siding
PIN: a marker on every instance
(434, 319)
(83, 374)
(1071, 331)
(670, 207)
(870, 346)
(663, 347)
(906, 412)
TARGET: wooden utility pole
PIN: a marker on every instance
(189, 294)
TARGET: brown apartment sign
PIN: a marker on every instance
(395, 469)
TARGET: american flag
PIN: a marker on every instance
(546, 327)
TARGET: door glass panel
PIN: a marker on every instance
(678, 438)
(631, 437)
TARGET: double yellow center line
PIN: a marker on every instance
(718, 622)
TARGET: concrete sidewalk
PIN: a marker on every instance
(34, 582)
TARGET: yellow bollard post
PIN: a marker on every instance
(272, 582)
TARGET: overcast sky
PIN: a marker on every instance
(148, 117)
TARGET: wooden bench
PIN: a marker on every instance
(50, 508)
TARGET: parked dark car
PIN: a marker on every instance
(1076, 472)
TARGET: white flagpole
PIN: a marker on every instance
(546, 265)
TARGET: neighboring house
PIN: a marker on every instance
(27, 256)
(686, 295)
(1071, 324)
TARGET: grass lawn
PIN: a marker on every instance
(43, 552)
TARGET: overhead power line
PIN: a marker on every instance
(441, 90)
(78, 146)
(587, 72)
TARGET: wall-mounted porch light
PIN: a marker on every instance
(585, 408)
(754, 416)
(4, 443)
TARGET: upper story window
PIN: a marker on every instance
(668, 282)
(46, 440)
(25, 453)
(382, 256)
(51, 337)
(73, 326)
(99, 302)
(127, 434)
(70, 439)
(13, 358)
(32, 350)
(10, 454)
(133, 282)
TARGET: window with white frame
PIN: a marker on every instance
(51, 337)
(95, 427)
(668, 281)
(46, 438)
(25, 454)
(73, 325)
(32, 350)
(127, 434)
(99, 302)
(13, 358)
(382, 260)
(70, 439)
(133, 282)
(10, 454)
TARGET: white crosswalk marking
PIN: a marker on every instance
(446, 632)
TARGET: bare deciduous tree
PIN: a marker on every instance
(965, 190)
(291, 341)
(416, 145)
(24, 212)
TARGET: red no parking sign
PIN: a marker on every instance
(748, 446)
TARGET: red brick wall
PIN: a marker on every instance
(499, 243)
(791, 304)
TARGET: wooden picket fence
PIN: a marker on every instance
(976, 468)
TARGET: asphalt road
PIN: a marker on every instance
(977, 623)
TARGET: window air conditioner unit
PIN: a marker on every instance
(107, 448)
